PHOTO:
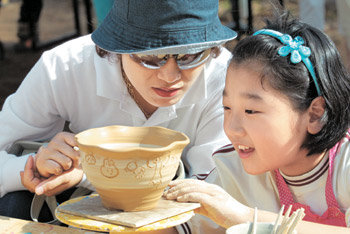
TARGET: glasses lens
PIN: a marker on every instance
(187, 61)
(149, 61)
(184, 61)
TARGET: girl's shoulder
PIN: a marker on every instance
(343, 154)
(341, 175)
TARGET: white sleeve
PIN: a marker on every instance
(210, 134)
(10, 177)
(209, 137)
(28, 114)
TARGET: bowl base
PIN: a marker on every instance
(130, 199)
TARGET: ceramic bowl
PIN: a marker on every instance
(130, 166)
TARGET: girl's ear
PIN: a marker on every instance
(315, 112)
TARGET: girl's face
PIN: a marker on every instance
(262, 125)
(160, 87)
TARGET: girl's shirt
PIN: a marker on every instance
(261, 190)
(72, 83)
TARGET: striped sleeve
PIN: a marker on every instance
(183, 228)
(225, 149)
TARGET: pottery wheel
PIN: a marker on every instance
(88, 213)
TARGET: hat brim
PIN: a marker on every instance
(177, 49)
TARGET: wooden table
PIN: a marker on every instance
(12, 225)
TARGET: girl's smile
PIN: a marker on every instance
(244, 151)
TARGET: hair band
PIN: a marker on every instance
(295, 48)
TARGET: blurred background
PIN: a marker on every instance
(63, 19)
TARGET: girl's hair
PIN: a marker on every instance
(295, 81)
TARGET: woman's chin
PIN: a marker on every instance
(165, 102)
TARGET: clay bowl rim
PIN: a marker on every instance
(185, 141)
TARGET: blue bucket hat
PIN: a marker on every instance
(162, 27)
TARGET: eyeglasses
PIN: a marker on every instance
(184, 61)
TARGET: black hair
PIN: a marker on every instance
(295, 81)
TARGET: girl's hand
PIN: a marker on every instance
(58, 156)
(215, 202)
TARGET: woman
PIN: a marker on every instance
(149, 63)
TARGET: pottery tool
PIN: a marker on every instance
(287, 225)
(290, 222)
(255, 219)
(274, 230)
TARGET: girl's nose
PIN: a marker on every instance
(170, 72)
(233, 126)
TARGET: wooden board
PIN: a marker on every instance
(96, 225)
(91, 207)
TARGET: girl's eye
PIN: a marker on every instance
(226, 107)
(250, 112)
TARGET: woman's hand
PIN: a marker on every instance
(215, 202)
(55, 168)
(58, 156)
(49, 186)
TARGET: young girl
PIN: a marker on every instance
(287, 114)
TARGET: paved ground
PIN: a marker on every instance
(57, 20)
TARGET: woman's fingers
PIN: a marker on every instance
(58, 156)
(64, 143)
(29, 177)
(52, 167)
(57, 184)
(50, 162)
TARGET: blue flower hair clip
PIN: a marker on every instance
(295, 48)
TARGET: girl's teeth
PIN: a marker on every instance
(242, 147)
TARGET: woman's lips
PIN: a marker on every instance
(164, 92)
